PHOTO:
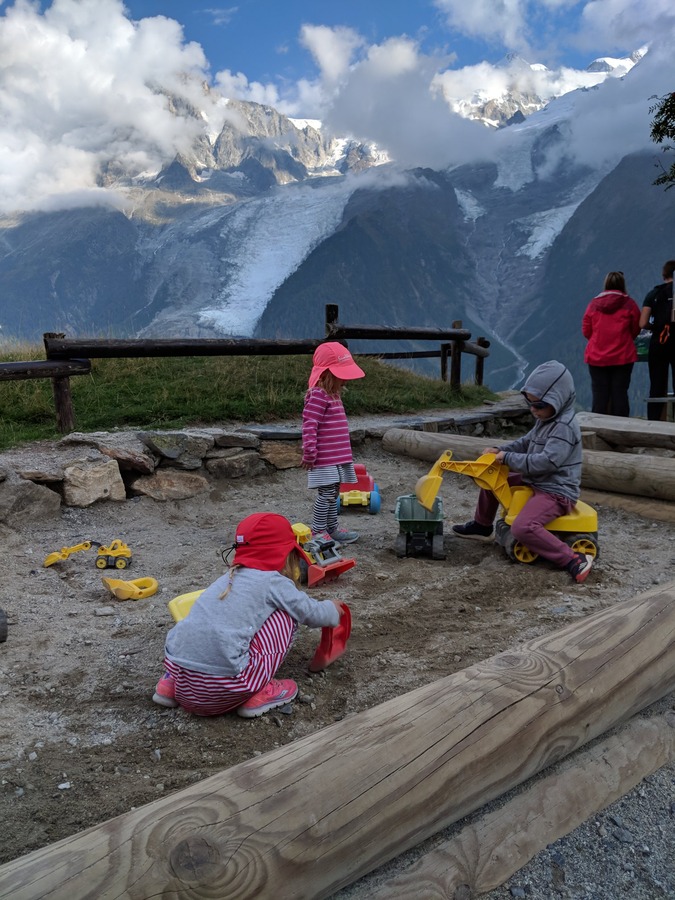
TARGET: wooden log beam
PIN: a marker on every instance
(622, 473)
(626, 432)
(58, 347)
(399, 332)
(317, 814)
(485, 854)
(43, 368)
(655, 510)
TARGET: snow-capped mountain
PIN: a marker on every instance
(516, 88)
(260, 224)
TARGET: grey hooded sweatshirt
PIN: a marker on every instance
(549, 455)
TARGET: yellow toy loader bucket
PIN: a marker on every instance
(427, 488)
(484, 471)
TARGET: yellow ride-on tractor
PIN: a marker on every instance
(578, 529)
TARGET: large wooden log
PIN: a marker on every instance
(487, 852)
(655, 510)
(625, 432)
(623, 473)
(313, 816)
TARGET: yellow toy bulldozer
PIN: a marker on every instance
(578, 529)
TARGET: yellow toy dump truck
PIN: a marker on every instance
(578, 529)
(116, 555)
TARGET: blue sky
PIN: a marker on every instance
(262, 38)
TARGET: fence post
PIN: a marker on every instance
(63, 399)
(331, 318)
(456, 359)
(446, 349)
(480, 360)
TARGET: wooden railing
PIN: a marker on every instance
(72, 356)
(457, 337)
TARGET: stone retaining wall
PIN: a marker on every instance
(82, 469)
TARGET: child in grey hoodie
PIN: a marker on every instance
(547, 459)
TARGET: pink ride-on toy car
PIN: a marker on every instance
(364, 493)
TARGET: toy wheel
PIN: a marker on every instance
(375, 503)
(583, 543)
(120, 562)
(518, 552)
(401, 545)
(437, 549)
(303, 567)
(3, 626)
(101, 562)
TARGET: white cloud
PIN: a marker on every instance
(621, 24)
(81, 85)
(389, 98)
(332, 48)
(512, 24)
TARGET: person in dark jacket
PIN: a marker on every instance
(657, 316)
(610, 324)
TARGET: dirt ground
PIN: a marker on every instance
(80, 738)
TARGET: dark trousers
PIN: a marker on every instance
(609, 385)
(661, 363)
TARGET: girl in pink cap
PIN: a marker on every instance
(326, 446)
(224, 653)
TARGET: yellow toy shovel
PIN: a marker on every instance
(137, 589)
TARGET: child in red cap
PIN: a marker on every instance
(326, 446)
(223, 654)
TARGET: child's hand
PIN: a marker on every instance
(306, 465)
(494, 450)
(338, 605)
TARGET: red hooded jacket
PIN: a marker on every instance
(611, 324)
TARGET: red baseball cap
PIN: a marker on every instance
(263, 541)
(337, 359)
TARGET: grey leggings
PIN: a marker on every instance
(325, 508)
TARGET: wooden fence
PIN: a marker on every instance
(72, 356)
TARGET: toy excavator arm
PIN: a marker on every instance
(65, 552)
(487, 474)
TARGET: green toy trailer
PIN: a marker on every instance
(420, 529)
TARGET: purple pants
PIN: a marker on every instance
(528, 526)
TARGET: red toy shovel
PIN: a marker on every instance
(333, 642)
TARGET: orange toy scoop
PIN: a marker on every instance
(333, 642)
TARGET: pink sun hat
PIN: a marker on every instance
(337, 359)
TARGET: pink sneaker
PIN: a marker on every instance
(165, 692)
(275, 693)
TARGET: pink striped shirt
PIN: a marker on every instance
(325, 431)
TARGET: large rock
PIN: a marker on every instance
(180, 449)
(235, 464)
(166, 484)
(124, 446)
(282, 454)
(23, 502)
(85, 483)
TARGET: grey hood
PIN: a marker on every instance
(552, 383)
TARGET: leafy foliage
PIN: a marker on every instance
(663, 132)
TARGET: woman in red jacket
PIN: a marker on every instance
(610, 324)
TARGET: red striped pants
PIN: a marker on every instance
(212, 695)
